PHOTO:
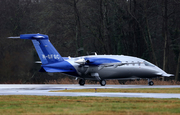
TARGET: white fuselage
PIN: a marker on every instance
(132, 67)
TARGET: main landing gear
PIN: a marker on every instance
(82, 82)
(102, 82)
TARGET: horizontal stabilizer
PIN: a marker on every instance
(30, 36)
(17, 37)
(33, 36)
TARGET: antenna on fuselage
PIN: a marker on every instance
(93, 53)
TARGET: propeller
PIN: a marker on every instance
(82, 69)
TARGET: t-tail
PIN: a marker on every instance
(46, 51)
(49, 56)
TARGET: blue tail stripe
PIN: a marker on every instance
(50, 53)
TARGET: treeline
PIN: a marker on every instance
(149, 29)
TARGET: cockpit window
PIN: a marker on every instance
(148, 64)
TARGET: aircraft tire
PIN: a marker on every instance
(151, 83)
(103, 82)
(81, 82)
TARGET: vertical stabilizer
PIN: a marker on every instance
(46, 51)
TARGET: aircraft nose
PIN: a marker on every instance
(163, 73)
(168, 75)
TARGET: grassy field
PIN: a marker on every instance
(51, 105)
(135, 90)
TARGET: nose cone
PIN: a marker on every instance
(160, 72)
(167, 75)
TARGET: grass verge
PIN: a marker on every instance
(50, 105)
(133, 90)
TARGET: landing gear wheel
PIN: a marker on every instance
(151, 83)
(81, 82)
(103, 82)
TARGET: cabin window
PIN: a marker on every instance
(133, 63)
(127, 63)
(139, 63)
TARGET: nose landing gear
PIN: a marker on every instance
(151, 83)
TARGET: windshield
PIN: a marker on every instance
(148, 64)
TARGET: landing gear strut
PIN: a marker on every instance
(102, 82)
(81, 82)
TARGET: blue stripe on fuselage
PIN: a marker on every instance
(94, 61)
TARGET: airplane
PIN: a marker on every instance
(93, 67)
